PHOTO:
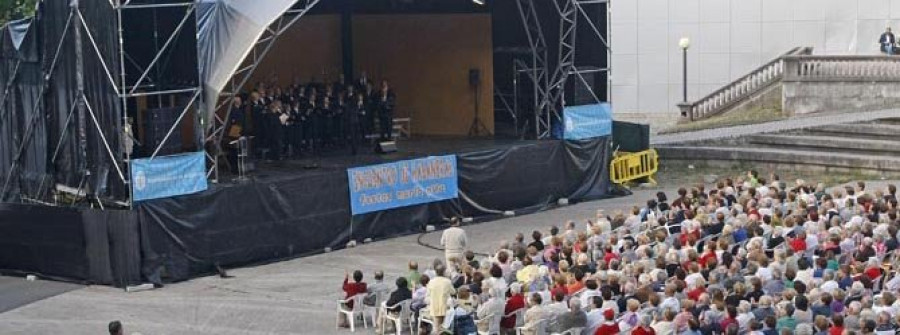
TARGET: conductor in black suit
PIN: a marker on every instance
(385, 102)
(887, 41)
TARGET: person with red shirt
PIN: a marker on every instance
(730, 317)
(873, 271)
(515, 302)
(351, 289)
(609, 255)
(354, 288)
(559, 285)
(643, 327)
(709, 253)
(610, 326)
(837, 328)
(798, 244)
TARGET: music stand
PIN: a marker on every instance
(243, 146)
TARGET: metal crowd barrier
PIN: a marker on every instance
(626, 167)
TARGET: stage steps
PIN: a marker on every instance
(871, 146)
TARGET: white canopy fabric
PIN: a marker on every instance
(227, 30)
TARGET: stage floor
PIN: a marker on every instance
(341, 158)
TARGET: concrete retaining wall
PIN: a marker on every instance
(804, 97)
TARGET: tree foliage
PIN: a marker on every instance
(16, 9)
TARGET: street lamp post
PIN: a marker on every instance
(685, 106)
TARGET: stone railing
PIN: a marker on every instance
(844, 68)
(740, 89)
(842, 84)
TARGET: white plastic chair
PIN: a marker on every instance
(493, 325)
(424, 317)
(397, 319)
(358, 309)
(376, 308)
(539, 328)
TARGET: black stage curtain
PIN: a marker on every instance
(242, 223)
(70, 124)
(261, 221)
(22, 128)
(84, 245)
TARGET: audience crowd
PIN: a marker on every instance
(745, 256)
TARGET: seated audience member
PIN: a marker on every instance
(377, 290)
(490, 309)
(573, 318)
(351, 289)
(609, 325)
(558, 306)
(534, 314)
(358, 286)
(515, 302)
(402, 293)
(644, 328)
(115, 328)
(418, 297)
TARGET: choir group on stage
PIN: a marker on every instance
(308, 119)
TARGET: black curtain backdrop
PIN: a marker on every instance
(22, 128)
(84, 245)
(261, 221)
(41, 110)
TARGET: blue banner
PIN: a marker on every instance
(168, 176)
(587, 121)
(402, 183)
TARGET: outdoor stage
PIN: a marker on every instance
(289, 209)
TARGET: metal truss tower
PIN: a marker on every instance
(549, 97)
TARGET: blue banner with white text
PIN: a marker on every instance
(402, 183)
(587, 121)
(168, 176)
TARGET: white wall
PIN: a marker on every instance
(729, 38)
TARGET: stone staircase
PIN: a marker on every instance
(871, 146)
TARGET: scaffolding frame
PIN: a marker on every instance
(119, 158)
(216, 134)
(549, 86)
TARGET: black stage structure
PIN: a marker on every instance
(76, 77)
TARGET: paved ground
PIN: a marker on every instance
(18, 292)
(291, 297)
(774, 126)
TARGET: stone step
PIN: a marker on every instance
(860, 130)
(879, 147)
(795, 157)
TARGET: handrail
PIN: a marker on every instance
(736, 91)
(841, 68)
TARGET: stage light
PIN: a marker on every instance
(478, 2)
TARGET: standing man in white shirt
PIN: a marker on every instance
(454, 242)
